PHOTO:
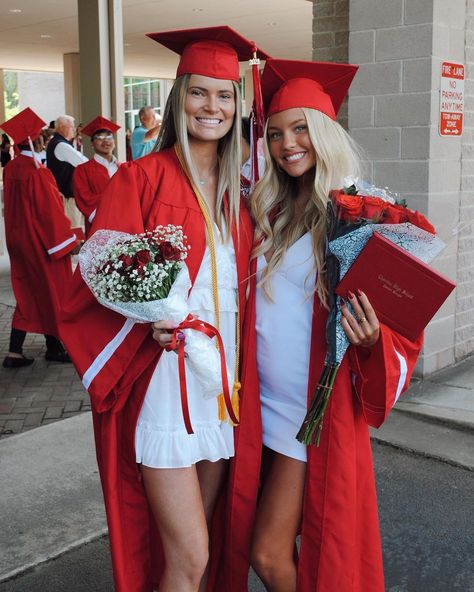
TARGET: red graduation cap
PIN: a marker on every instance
(99, 123)
(25, 124)
(209, 51)
(288, 84)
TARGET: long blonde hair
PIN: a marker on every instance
(273, 201)
(174, 131)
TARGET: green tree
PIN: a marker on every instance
(11, 97)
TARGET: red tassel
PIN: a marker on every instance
(257, 117)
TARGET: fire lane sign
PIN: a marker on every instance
(451, 104)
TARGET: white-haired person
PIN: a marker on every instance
(61, 159)
(162, 484)
(325, 493)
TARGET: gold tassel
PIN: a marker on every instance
(236, 400)
(221, 413)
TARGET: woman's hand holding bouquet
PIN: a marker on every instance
(144, 278)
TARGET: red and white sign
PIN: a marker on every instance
(451, 103)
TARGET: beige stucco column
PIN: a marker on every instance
(101, 64)
(72, 85)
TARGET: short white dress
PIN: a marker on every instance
(283, 347)
(161, 440)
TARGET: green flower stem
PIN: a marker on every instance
(310, 431)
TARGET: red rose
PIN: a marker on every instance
(349, 207)
(142, 258)
(126, 260)
(419, 220)
(395, 214)
(170, 252)
(373, 208)
(159, 257)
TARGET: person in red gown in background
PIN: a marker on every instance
(325, 493)
(40, 241)
(164, 488)
(91, 178)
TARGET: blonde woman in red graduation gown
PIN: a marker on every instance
(161, 484)
(327, 493)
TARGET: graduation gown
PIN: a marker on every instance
(115, 358)
(340, 541)
(39, 240)
(90, 180)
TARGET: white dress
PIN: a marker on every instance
(161, 440)
(283, 347)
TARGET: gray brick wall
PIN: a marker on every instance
(464, 327)
(393, 113)
(331, 37)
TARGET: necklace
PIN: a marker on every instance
(211, 172)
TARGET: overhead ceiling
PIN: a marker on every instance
(34, 34)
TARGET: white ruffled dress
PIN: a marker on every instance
(161, 440)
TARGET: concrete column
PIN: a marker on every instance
(72, 86)
(101, 64)
(2, 97)
(464, 336)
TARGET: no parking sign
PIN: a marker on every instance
(451, 104)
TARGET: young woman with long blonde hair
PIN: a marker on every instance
(161, 483)
(326, 493)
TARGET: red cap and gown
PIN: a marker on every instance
(115, 357)
(39, 237)
(340, 546)
(91, 178)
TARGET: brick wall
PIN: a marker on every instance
(464, 335)
(331, 37)
(393, 114)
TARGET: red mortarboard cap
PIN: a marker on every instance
(288, 84)
(25, 124)
(209, 51)
(99, 123)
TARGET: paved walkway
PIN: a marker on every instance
(38, 394)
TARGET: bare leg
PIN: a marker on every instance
(175, 499)
(182, 502)
(211, 476)
(277, 523)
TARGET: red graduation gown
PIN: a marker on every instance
(39, 239)
(116, 358)
(340, 540)
(90, 180)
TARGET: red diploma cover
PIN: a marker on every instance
(405, 292)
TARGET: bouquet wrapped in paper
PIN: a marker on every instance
(144, 278)
(353, 215)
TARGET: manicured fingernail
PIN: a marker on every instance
(180, 336)
(343, 304)
(359, 292)
(350, 295)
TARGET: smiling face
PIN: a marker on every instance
(289, 142)
(209, 107)
(103, 143)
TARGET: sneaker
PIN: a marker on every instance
(62, 357)
(11, 362)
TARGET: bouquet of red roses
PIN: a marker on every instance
(144, 278)
(352, 217)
